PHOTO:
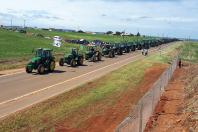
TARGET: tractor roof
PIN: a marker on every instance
(47, 49)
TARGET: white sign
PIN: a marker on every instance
(57, 41)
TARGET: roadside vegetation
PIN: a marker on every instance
(72, 106)
(190, 56)
(190, 52)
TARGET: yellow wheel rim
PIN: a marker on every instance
(52, 66)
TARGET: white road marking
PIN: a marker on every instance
(10, 74)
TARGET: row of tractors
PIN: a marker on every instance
(44, 61)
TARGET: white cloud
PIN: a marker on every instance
(148, 16)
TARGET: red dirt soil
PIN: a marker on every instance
(168, 115)
(112, 116)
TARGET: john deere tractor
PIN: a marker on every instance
(108, 50)
(42, 62)
(73, 59)
(132, 45)
(127, 47)
(119, 49)
(93, 54)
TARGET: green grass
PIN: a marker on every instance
(90, 37)
(44, 115)
(189, 52)
(15, 45)
(16, 48)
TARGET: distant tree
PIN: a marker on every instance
(80, 31)
(39, 35)
(131, 34)
(109, 32)
(1, 26)
(22, 31)
(138, 34)
(118, 33)
(45, 29)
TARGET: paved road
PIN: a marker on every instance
(20, 90)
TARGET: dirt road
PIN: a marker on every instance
(20, 90)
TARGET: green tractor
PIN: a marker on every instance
(73, 59)
(42, 62)
(93, 54)
(132, 45)
(119, 49)
(108, 50)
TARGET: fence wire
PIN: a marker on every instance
(138, 118)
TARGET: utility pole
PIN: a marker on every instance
(123, 35)
(11, 23)
(24, 23)
(1, 23)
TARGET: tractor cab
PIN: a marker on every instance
(74, 52)
(43, 53)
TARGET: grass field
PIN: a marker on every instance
(16, 48)
(44, 116)
(90, 37)
(190, 52)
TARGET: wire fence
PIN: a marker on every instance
(139, 116)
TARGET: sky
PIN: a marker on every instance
(166, 18)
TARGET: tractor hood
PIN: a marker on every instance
(35, 59)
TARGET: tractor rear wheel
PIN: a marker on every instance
(80, 61)
(93, 59)
(28, 69)
(61, 62)
(110, 54)
(41, 69)
(52, 66)
(99, 56)
(128, 50)
(121, 52)
(73, 63)
(113, 54)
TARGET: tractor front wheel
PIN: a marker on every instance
(61, 62)
(110, 54)
(28, 69)
(99, 56)
(73, 63)
(113, 54)
(93, 59)
(41, 69)
(80, 61)
(52, 66)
